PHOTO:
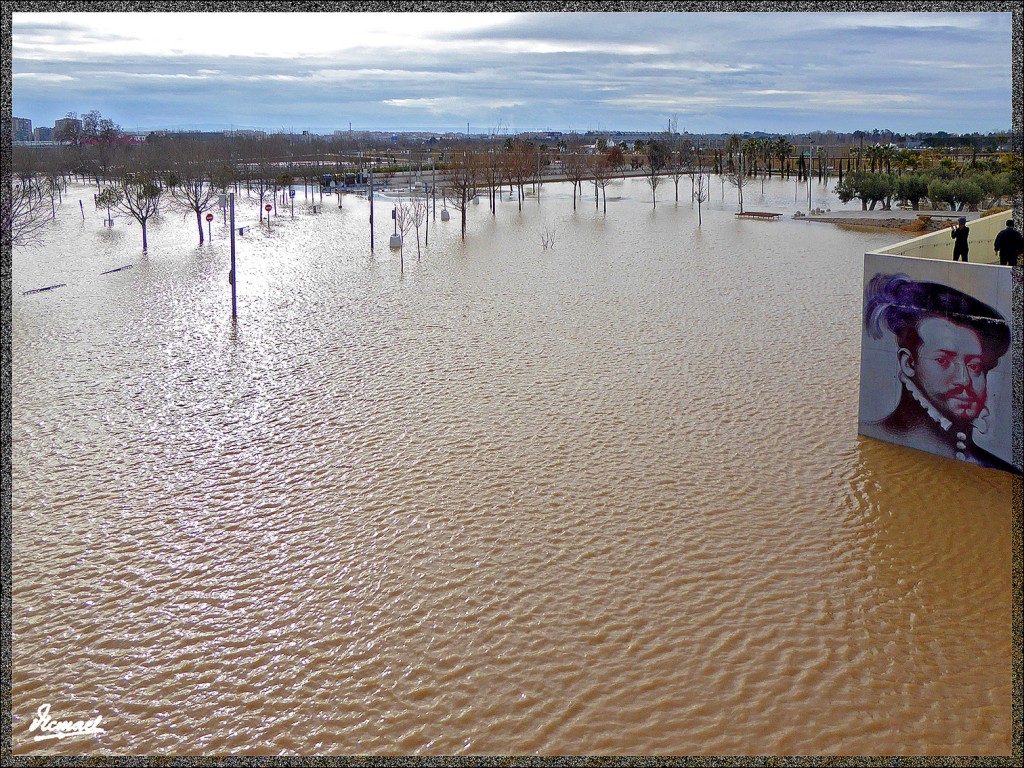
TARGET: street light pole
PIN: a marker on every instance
(810, 173)
(231, 274)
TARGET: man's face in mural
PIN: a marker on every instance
(948, 368)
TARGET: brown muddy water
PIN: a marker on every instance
(602, 498)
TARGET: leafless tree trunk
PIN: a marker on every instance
(491, 175)
(260, 181)
(737, 178)
(460, 186)
(521, 168)
(26, 212)
(680, 165)
(403, 223)
(701, 191)
(419, 215)
(601, 171)
(140, 199)
(574, 166)
(194, 191)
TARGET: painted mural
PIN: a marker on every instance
(935, 358)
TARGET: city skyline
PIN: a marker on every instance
(518, 72)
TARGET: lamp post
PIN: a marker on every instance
(810, 174)
(231, 274)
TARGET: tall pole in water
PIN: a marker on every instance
(231, 275)
(810, 173)
(371, 205)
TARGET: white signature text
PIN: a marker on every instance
(62, 729)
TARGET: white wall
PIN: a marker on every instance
(939, 245)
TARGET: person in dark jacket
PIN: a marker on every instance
(1009, 245)
(959, 233)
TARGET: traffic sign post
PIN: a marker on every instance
(268, 207)
(209, 218)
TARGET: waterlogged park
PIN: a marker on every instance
(529, 465)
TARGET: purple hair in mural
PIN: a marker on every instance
(947, 343)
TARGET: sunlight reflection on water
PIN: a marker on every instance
(602, 498)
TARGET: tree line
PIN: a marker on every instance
(138, 179)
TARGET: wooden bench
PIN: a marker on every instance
(760, 215)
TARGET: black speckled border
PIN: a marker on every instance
(448, 5)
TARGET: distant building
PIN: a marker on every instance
(42, 133)
(67, 124)
(180, 135)
(247, 133)
(21, 129)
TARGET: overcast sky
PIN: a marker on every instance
(730, 72)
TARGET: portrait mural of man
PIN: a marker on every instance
(947, 343)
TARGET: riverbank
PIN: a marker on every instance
(915, 222)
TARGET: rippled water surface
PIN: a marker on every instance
(602, 498)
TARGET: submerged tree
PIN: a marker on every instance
(519, 166)
(109, 198)
(680, 165)
(460, 184)
(574, 166)
(26, 212)
(736, 176)
(701, 189)
(656, 159)
(195, 191)
(261, 182)
(601, 172)
(140, 199)
(403, 223)
(419, 215)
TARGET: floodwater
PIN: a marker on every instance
(603, 498)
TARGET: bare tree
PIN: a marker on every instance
(460, 184)
(260, 181)
(26, 212)
(701, 189)
(194, 192)
(25, 163)
(491, 172)
(678, 167)
(574, 166)
(419, 215)
(140, 199)
(736, 176)
(547, 237)
(69, 131)
(521, 167)
(601, 171)
(403, 223)
(54, 181)
(656, 159)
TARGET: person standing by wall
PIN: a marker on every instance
(959, 233)
(1009, 245)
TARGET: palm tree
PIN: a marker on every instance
(750, 156)
(822, 163)
(767, 152)
(732, 145)
(783, 149)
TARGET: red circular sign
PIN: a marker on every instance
(209, 217)
(268, 206)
